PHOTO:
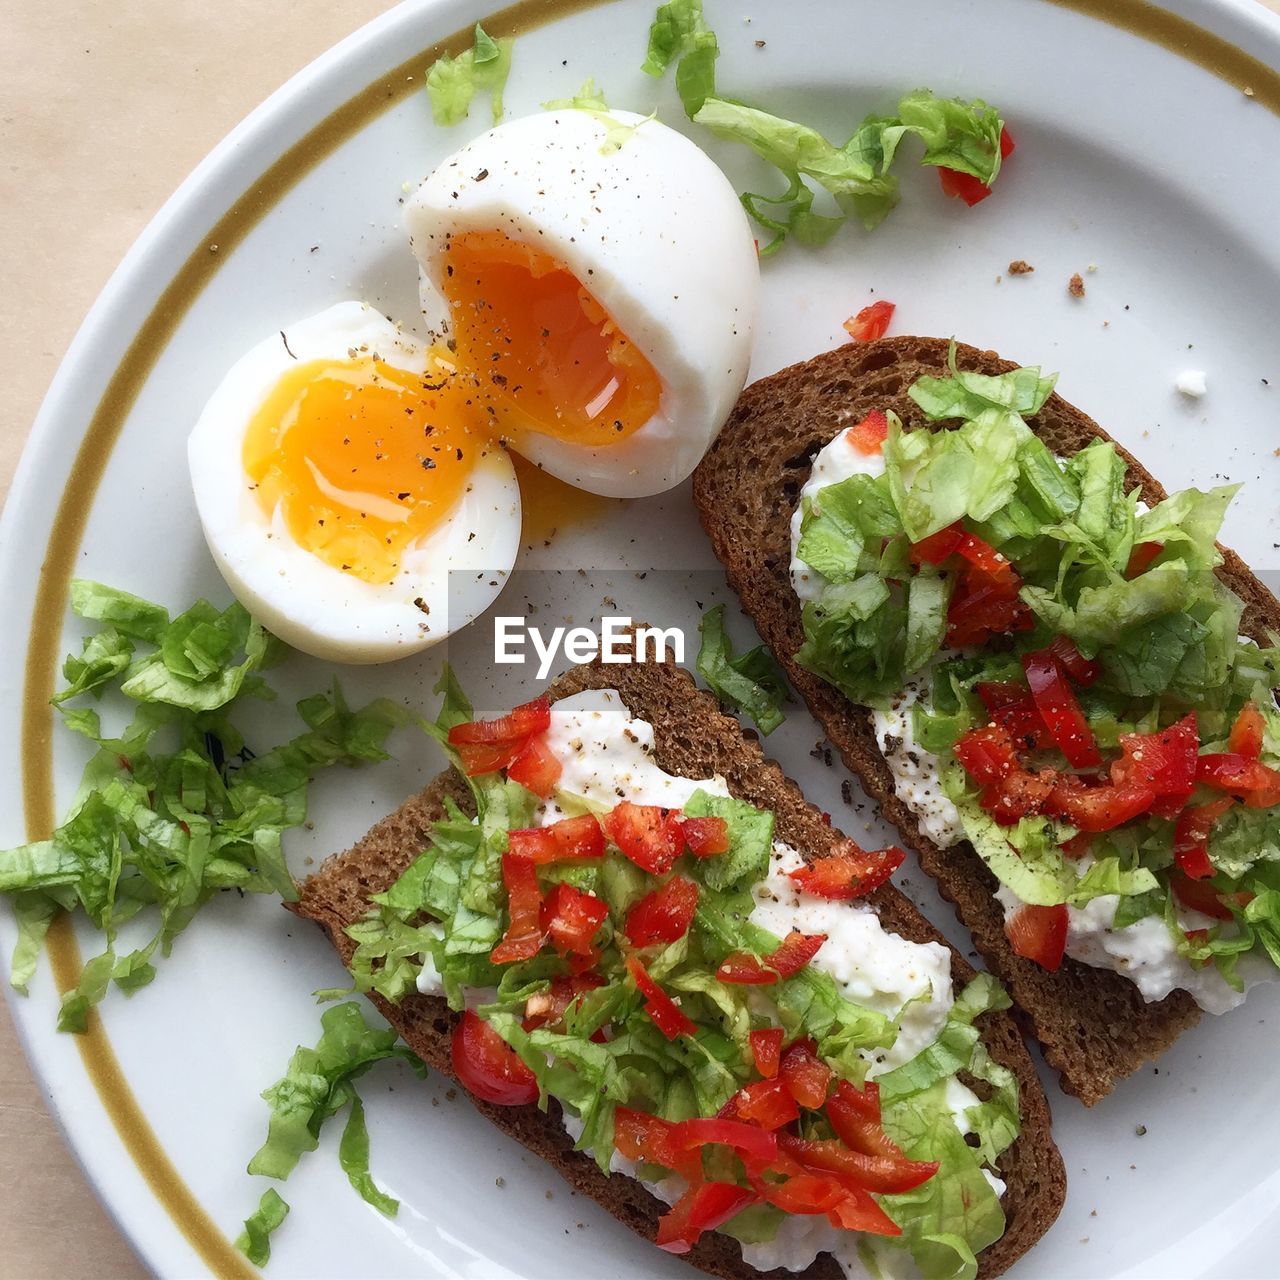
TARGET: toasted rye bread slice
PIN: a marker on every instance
(694, 738)
(1093, 1023)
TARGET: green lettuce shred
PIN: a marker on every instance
(174, 808)
(255, 1241)
(317, 1084)
(952, 1217)
(959, 135)
(751, 682)
(453, 82)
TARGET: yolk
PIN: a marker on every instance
(549, 505)
(363, 459)
(547, 356)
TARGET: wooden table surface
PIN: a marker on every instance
(100, 119)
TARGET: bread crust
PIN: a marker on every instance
(1094, 1024)
(694, 738)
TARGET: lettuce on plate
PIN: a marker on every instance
(174, 807)
(452, 82)
(317, 1084)
(957, 135)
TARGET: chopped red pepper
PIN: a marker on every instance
(937, 547)
(964, 185)
(766, 1049)
(1039, 934)
(870, 323)
(885, 1175)
(855, 1116)
(1018, 794)
(792, 954)
(1083, 671)
(524, 936)
(1099, 808)
(767, 1103)
(704, 1207)
(666, 1014)
(742, 969)
(521, 723)
(484, 746)
(647, 834)
(1140, 558)
(1165, 762)
(663, 915)
(848, 871)
(983, 606)
(1059, 709)
(536, 768)
(869, 435)
(705, 837)
(1198, 895)
(568, 840)
(571, 918)
(1191, 836)
(487, 1066)
(796, 951)
(750, 1140)
(986, 560)
(1247, 732)
(806, 1075)
(801, 1191)
(548, 1007)
(1255, 783)
(477, 758)
(640, 1136)
(1012, 706)
(860, 1211)
(987, 753)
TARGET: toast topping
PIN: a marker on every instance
(623, 943)
(1055, 673)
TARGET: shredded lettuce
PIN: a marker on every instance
(1035, 870)
(588, 98)
(318, 1083)
(751, 682)
(953, 1216)
(255, 1241)
(175, 807)
(680, 34)
(1069, 527)
(968, 395)
(453, 82)
(964, 136)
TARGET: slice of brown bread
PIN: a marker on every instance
(694, 738)
(1093, 1023)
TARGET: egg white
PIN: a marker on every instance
(457, 570)
(654, 231)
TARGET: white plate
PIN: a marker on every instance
(1131, 157)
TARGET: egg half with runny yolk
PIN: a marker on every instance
(350, 491)
(599, 279)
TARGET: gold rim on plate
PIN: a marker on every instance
(1157, 26)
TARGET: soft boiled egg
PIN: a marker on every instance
(599, 278)
(349, 490)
